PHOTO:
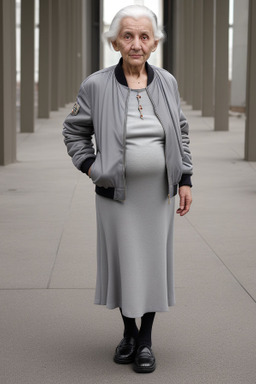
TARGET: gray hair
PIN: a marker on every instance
(134, 11)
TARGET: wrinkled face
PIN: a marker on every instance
(135, 40)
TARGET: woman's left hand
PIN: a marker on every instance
(185, 200)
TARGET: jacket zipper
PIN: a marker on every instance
(169, 195)
(124, 143)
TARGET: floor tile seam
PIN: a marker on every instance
(222, 262)
(24, 162)
(251, 165)
(35, 220)
(49, 289)
(68, 214)
(240, 158)
(207, 124)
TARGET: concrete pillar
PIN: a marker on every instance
(177, 40)
(239, 60)
(221, 66)
(180, 70)
(169, 45)
(76, 76)
(68, 50)
(73, 50)
(79, 76)
(62, 65)
(92, 21)
(207, 60)
(188, 26)
(44, 90)
(55, 45)
(186, 47)
(86, 38)
(197, 56)
(7, 82)
(95, 35)
(101, 30)
(250, 130)
(27, 84)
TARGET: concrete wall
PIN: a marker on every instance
(7, 83)
(239, 60)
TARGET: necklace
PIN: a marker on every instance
(135, 82)
(139, 80)
(138, 97)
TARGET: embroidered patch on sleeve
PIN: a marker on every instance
(75, 109)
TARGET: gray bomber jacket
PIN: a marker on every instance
(101, 110)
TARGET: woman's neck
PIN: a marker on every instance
(134, 71)
(136, 76)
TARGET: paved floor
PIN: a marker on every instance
(50, 330)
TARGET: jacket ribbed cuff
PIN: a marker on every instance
(185, 180)
(87, 164)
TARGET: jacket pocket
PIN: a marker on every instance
(94, 167)
(99, 175)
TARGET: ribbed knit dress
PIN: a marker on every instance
(135, 237)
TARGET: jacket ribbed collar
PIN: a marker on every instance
(121, 77)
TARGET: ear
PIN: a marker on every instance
(114, 45)
(155, 45)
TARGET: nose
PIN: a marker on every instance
(136, 43)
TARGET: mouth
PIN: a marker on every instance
(135, 56)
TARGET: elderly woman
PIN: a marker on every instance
(142, 159)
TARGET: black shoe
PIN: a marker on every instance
(125, 351)
(144, 361)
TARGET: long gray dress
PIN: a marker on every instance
(135, 237)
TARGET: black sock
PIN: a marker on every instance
(145, 332)
(130, 327)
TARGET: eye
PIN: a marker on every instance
(127, 36)
(144, 37)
